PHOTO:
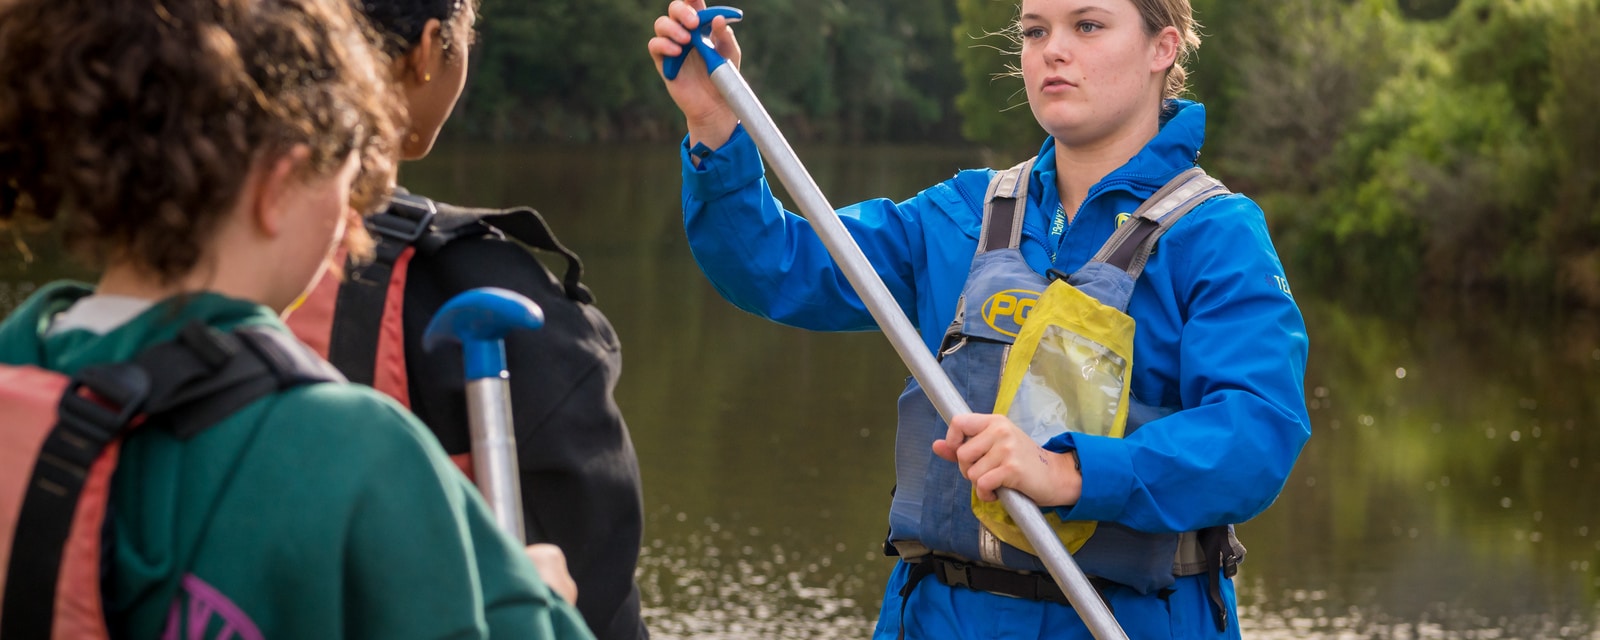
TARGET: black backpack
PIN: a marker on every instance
(579, 472)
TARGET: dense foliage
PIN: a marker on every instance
(1393, 142)
(825, 69)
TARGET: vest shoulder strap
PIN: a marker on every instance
(185, 385)
(1003, 207)
(1130, 246)
(361, 303)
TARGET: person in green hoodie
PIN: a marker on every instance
(207, 156)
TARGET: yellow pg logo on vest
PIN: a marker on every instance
(1006, 311)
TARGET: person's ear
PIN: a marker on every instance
(276, 187)
(418, 64)
(1167, 43)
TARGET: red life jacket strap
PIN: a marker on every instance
(97, 408)
(367, 337)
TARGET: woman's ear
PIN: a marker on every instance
(419, 64)
(274, 183)
(1166, 49)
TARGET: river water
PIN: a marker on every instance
(1449, 489)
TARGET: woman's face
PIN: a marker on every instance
(433, 100)
(1090, 67)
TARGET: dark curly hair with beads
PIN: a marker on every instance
(134, 123)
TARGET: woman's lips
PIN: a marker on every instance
(1056, 85)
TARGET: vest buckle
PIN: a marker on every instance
(955, 573)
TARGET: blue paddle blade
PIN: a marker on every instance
(479, 320)
(701, 41)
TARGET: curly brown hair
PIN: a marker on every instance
(134, 123)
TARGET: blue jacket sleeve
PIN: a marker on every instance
(772, 263)
(1242, 352)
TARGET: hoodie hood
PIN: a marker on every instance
(25, 338)
(152, 539)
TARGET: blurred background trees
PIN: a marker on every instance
(1393, 143)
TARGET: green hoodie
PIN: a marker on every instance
(326, 511)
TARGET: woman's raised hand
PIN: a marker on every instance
(710, 119)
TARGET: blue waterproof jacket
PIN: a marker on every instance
(1219, 336)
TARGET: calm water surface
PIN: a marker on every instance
(1449, 489)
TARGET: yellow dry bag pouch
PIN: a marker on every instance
(1068, 370)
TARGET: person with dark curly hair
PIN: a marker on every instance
(579, 471)
(207, 156)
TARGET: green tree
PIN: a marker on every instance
(825, 69)
(556, 70)
(1458, 164)
(994, 103)
(1571, 226)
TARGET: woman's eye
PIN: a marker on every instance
(1088, 27)
(1033, 33)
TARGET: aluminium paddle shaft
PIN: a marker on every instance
(885, 310)
(479, 320)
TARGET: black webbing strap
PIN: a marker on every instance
(528, 227)
(185, 385)
(1003, 205)
(358, 311)
(85, 424)
(1017, 584)
(919, 570)
(223, 372)
(1223, 555)
(998, 236)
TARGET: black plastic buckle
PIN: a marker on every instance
(955, 574)
(119, 394)
(406, 219)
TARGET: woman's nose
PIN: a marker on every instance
(1057, 48)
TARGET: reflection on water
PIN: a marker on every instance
(1448, 491)
(721, 582)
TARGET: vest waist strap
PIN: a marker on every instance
(1027, 585)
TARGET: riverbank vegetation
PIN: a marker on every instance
(1394, 143)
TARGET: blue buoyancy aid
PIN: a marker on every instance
(931, 511)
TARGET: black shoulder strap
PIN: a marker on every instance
(1003, 207)
(216, 374)
(185, 385)
(358, 310)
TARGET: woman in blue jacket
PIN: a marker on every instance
(1216, 405)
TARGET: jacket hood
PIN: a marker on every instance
(24, 338)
